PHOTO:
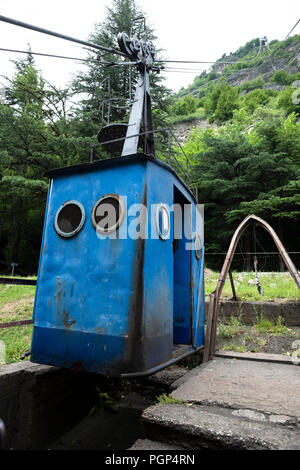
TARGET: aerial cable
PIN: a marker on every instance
(59, 35)
(213, 62)
(292, 29)
(54, 56)
(221, 62)
(286, 37)
(177, 71)
(182, 68)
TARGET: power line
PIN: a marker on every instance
(113, 51)
(53, 55)
(223, 62)
(179, 71)
(5, 19)
(183, 68)
(292, 29)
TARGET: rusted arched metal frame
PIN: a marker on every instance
(212, 316)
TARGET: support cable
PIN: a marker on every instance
(5, 19)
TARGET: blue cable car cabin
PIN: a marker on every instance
(107, 302)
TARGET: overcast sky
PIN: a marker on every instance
(187, 30)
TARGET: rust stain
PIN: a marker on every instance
(57, 297)
(67, 321)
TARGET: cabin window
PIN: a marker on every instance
(163, 221)
(108, 213)
(198, 246)
(69, 219)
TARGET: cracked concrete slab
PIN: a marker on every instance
(196, 427)
(259, 386)
(147, 444)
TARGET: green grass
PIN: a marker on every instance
(16, 303)
(17, 341)
(11, 293)
(276, 286)
(266, 326)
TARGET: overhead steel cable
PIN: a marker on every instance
(222, 62)
(5, 19)
(53, 56)
(192, 62)
(216, 61)
(292, 29)
(278, 47)
(180, 71)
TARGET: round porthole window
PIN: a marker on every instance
(163, 221)
(198, 246)
(69, 219)
(108, 213)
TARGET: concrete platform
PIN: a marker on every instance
(231, 404)
(232, 383)
(146, 444)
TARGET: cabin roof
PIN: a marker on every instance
(118, 161)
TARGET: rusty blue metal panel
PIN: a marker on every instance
(158, 271)
(87, 284)
(108, 305)
(197, 284)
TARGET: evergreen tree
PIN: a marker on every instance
(93, 84)
(221, 103)
(35, 136)
(239, 173)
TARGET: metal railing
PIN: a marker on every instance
(172, 160)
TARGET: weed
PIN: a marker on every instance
(231, 328)
(266, 326)
(249, 338)
(105, 402)
(168, 400)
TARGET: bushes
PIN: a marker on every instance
(282, 77)
(185, 105)
(289, 100)
(221, 103)
(256, 98)
(254, 84)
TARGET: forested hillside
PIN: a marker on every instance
(245, 159)
(244, 145)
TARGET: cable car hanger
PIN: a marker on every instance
(141, 54)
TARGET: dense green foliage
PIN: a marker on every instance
(250, 161)
(185, 105)
(221, 103)
(249, 165)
